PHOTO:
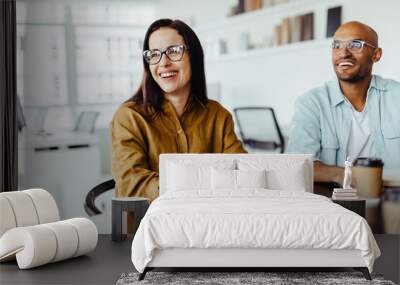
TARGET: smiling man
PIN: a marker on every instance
(355, 115)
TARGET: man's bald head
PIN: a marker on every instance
(357, 30)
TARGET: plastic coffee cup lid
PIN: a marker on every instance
(368, 162)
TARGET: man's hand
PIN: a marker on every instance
(328, 173)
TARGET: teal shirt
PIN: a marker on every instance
(322, 121)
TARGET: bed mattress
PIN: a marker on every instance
(250, 219)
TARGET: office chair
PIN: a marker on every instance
(89, 204)
(259, 128)
(86, 122)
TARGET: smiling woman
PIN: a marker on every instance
(170, 113)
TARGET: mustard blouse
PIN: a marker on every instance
(138, 140)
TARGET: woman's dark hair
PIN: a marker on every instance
(149, 93)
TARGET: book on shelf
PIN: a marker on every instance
(286, 31)
(296, 30)
(277, 40)
(341, 190)
(237, 9)
(268, 3)
(345, 194)
(240, 7)
(278, 2)
(335, 197)
(302, 28)
(251, 5)
(334, 20)
(307, 27)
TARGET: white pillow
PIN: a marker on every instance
(223, 179)
(282, 174)
(237, 179)
(185, 175)
(251, 178)
(183, 178)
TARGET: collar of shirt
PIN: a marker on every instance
(344, 115)
(191, 105)
(337, 96)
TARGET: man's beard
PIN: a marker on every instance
(352, 79)
(360, 75)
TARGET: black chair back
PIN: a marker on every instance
(259, 128)
(89, 205)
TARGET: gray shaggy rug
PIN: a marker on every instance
(241, 278)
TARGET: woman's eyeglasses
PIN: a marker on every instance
(352, 45)
(174, 53)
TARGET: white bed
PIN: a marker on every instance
(219, 210)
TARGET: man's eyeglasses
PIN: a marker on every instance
(352, 45)
(174, 53)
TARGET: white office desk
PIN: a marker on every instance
(61, 140)
(67, 164)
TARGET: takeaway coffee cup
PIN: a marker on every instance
(368, 174)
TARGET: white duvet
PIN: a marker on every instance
(250, 219)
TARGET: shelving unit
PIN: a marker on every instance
(265, 52)
(277, 11)
(257, 27)
(108, 63)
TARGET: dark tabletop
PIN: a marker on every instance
(111, 259)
